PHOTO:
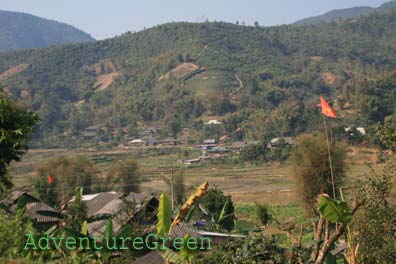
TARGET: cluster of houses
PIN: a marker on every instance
(213, 150)
(133, 208)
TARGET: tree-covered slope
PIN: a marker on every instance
(256, 80)
(24, 31)
(346, 13)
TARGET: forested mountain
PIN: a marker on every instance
(346, 13)
(24, 31)
(256, 80)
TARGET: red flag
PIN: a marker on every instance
(50, 179)
(326, 109)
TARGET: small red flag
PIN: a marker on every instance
(326, 109)
(50, 179)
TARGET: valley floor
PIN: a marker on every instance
(246, 183)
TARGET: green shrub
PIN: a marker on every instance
(263, 214)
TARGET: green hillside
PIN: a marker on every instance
(24, 31)
(137, 80)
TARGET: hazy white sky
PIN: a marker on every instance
(103, 19)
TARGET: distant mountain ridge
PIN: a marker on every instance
(346, 13)
(25, 31)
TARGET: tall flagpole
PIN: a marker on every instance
(330, 160)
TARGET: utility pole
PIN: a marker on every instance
(173, 200)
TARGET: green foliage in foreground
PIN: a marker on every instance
(387, 133)
(218, 209)
(13, 228)
(263, 214)
(375, 225)
(334, 210)
(16, 125)
(252, 249)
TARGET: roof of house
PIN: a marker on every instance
(33, 205)
(32, 210)
(116, 207)
(89, 134)
(219, 149)
(361, 130)
(192, 160)
(224, 137)
(216, 234)
(153, 257)
(14, 196)
(209, 141)
(136, 197)
(97, 201)
(180, 230)
(213, 122)
(238, 144)
(165, 140)
(287, 140)
(139, 140)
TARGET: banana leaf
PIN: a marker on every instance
(192, 200)
(334, 210)
(164, 216)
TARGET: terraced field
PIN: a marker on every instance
(211, 82)
(246, 183)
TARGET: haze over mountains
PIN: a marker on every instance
(345, 13)
(24, 31)
(179, 75)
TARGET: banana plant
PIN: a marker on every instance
(336, 211)
(165, 224)
(191, 201)
(222, 216)
(333, 210)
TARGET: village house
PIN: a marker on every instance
(139, 208)
(181, 230)
(169, 142)
(213, 122)
(239, 145)
(280, 140)
(32, 205)
(145, 141)
(218, 150)
(223, 139)
(361, 130)
(90, 132)
(210, 141)
(191, 161)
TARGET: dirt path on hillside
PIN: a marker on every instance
(235, 94)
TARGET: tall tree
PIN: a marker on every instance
(67, 174)
(16, 125)
(123, 176)
(311, 168)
